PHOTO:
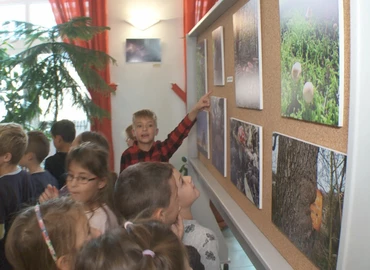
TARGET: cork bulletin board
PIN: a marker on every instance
(270, 118)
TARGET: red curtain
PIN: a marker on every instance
(65, 10)
(194, 10)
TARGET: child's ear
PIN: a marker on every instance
(156, 132)
(159, 214)
(102, 182)
(7, 157)
(63, 263)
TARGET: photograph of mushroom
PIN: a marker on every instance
(218, 56)
(247, 55)
(203, 116)
(308, 187)
(218, 129)
(246, 159)
(312, 67)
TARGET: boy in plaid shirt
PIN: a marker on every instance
(145, 129)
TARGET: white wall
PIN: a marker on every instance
(146, 85)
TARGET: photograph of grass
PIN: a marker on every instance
(308, 183)
(247, 54)
(246, 159)
(218, 128)
(312, 68)
(218, 56)
(203, 133)
(203, 117)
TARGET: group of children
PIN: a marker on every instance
(85, 217)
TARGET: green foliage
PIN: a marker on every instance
(315, 45)
(184, 168)
(44, 69)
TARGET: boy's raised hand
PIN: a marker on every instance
(178, 227)
(49, 193)
(203, 104)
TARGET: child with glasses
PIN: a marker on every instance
(48, 236)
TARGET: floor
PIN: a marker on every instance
(238, 259)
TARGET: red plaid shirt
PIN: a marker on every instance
(160, 151)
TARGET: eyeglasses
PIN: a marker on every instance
(79, 179)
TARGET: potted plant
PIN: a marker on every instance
(44, 72)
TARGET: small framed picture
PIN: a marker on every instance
(139, 50)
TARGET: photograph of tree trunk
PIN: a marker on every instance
(247, 54)
(203, 133)
(308, 185)
(218, 56)
(312, 64)
(201, 74)
(218, 127)
(246, 159)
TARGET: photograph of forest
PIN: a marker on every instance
(308, 184)
(203, 133)
(201, 74)
(311, 35)
(247, 55)
(246, 159)
(218, 56)
(218, 129)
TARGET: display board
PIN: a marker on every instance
(270, 118)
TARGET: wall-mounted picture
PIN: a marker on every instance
(140, 50)
(201, 69)
(308, 183)
(246, 159)
(203, 133)
(218, 56)
(218, 126)
(312, 62)
(248, 56)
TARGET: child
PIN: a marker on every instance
(88, 182)
(63, 133)
(150, 245)
(202, 238)
(149, 190)
(48, 236)
(37, 150)
(16, 187)
(145, 129)
(130, 138)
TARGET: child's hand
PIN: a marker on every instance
(178, 227)
(49, 193)
(203, 104)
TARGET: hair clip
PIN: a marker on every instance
(148, 252)
(45, 233)
(127, 223)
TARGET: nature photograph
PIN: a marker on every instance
(308, 187)
(201, 68)
(246, 159)
(203, 133)
(218, 56)
(311, 35)
(247, 55)
(140, 50)
(218, 129)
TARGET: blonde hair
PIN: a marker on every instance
(123, 249)
(146, 113)
(25, 247)
(13, 140)
(38, 144)
(129, 132)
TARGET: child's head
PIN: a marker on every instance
(63, 132)
(91, 136)
(130, 138)
(66, 225)
(37, 149)
(187, 191)
(88, 173)
(147, 189)
(13, 143)
(145, 126)
(150, 245)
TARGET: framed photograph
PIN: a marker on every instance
(139, 50)
(218, 56)
(203, 133)
(248, 56)
(246, 159)
(201, 74)
(312, 60)
(308, 188)
(218, 125)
